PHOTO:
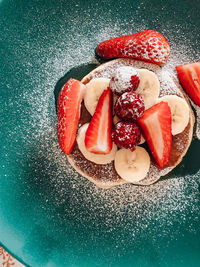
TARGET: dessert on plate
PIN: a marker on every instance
(128, 120)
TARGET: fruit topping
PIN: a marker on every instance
(129, 106)
(69, 102)
(126, 134)
(98, 135)
(156, 129)
(132, 166)
(148, 45)
(124, 79)
(94, 90)
(96, 158)
(189, 77)
(180, 112)
(149, 87)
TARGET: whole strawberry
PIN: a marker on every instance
(148, 45)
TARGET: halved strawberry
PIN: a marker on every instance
(69, 102)
(148, 45)
(156, 129)
(189, 77)
(98, 135)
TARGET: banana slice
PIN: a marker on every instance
(149, 87)
(96, 158)
(132, 166)
(180, 112)
(94, 89)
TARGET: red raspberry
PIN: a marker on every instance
(125, 79)
(126, 134)
(129, 106)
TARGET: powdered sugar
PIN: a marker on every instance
(124, 79)
(129, 105)
(83, 220)
(66, 189)
(146, 45)
(169, 86)
(126, 134)
(155, 174)
(170, 194)
(159, 53)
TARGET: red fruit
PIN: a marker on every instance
(148, 45)
(98, 135)
(156, 129)
(124, 79)
(189, 77)
(129, 106)
(127, 135)
(69, 102)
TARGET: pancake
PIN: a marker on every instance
(105, 176)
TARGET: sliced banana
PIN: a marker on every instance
(180, 112)
(149, 87)
(94, 89)
(96, 158)
(132, 166)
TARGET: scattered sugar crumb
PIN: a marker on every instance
(122, 80)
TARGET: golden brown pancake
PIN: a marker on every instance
(105, 176)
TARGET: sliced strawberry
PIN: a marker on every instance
(69, 102)
(98, 138)
(189, 77)
(156, 128)
(148, 45)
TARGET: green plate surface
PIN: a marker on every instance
(49, 215)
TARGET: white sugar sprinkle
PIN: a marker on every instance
(121, 81)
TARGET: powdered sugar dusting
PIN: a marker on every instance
(129, 105)
(133, 208)
(159, 202)
(126, 135)
(159, 53)
(147, 45)
(109, 71)
(122, 80)
(168, 86)
(154, 174)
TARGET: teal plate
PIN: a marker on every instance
(50, 215)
